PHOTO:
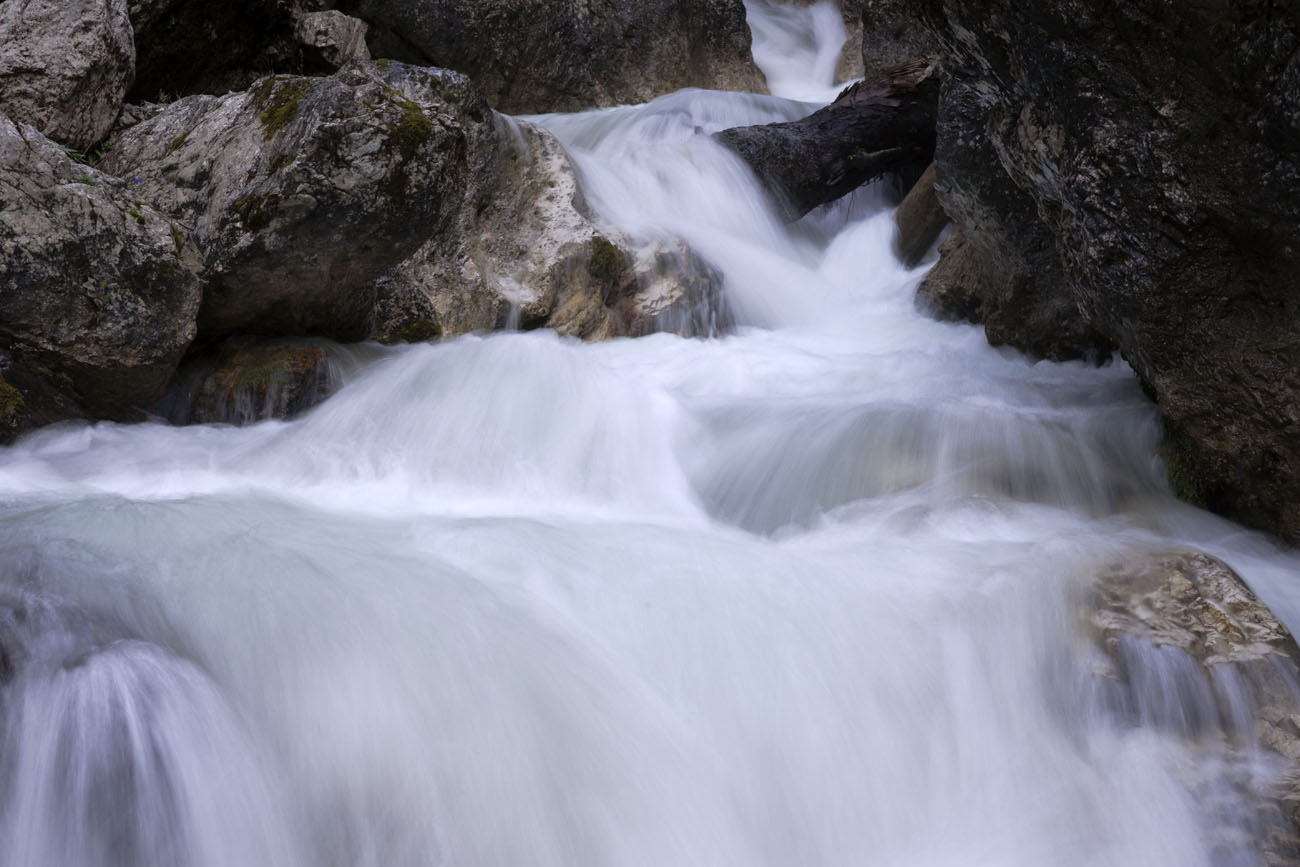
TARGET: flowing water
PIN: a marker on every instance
(805, 594)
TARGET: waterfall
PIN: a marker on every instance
(804, 593)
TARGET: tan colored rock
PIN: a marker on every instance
(65, 66)
(1231, 687)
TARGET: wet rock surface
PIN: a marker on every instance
(532, 56)
(1187, 647)
(65, 66)
(1167, 180)
(98, 289)
(245, 380)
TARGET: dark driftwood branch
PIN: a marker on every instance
(877, 127)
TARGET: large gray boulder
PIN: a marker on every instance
(532, 56)
(1160, 147)
(1000, 267)
(389, 202)
(302, 192)
(98, 290)
(65, 66)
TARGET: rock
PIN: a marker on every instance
(526, 252)
(920, 219)
(1187, 647)
(876, 127)
(246, 381)
(98, 290)
(1169, 182)
(330, 40)
(390, 202)
(532, 56)
(303, 191)
(1000, 267)
(890, 34)
(189, 47)
(65, 66)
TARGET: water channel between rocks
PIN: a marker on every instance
(805, 593)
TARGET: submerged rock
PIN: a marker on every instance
(1187, 647)
(65, 66)
(877, 127)
(246, 380)
(1168, 182)
(532, 56)
(98, 290)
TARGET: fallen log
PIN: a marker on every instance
(882, 126)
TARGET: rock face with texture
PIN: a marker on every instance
(65, 66)
(330, 40)
(525, 252)
(1000, 267)
(532, 56)
(1186, 647)
(1169, 182)
(98, 290)
(390, 202)
(303, 191)
(876, 127)
(890, 33)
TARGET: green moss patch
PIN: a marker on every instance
(253, 212)
(411, 130)
(277, 102)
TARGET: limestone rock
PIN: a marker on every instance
(303, 191)
(330, 39)
(1169, 183)
(65, 66)
(98, 290)
(532, 56)
(1189, 648)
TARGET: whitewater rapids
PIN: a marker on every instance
(802, 594)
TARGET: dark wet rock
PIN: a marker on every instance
(98, 290)
(1187, 647)
(890, 33)
(197, 46)
(389, 202)
(920, 220)
(527, 252)
(1000, 267)
(1169, 182)
(532, 56)
(877, 127)
(65, 66)
(246, 380)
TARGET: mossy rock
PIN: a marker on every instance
(277, 102)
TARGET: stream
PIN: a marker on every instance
(805, 592)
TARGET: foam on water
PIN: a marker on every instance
(803, 594)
